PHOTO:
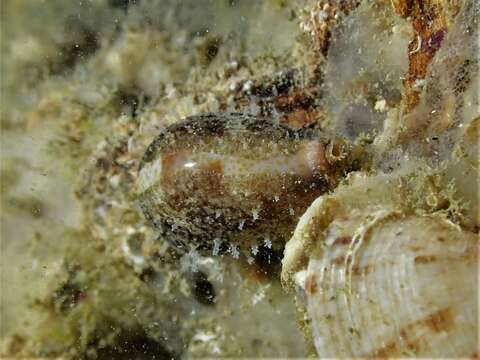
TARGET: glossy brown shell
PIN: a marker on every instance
(229, 182)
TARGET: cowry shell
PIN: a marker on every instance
(381, 282)
(232, 181)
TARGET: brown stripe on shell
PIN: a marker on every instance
(385, 351)
(361, 270)
(438, 321)
(338, 260)
(342, 240)
(311, 284)
(410, 344)
(425, 259)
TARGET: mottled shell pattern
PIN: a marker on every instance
(221, 182)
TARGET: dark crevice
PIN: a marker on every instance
(203, 290)
(122, 4)
(134, 345)
(82, 44)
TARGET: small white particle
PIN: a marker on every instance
(247, 86)
(268, 243)
(250, 260)
(216, 247)
(255, 250)
(189, 165)
(204, 337)
(130, 145)
(259, 295)
(234, 251)
(216, 349)
(114, 180)
(233, 65)
(190, 261)
(240, 225)
(233, 86)
(322, 16)
(418, 84)
(381, 105)
(171, 92)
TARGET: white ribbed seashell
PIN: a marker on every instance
(386, 283)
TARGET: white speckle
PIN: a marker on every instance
(190, 261)
(418, 84)
(216, 349)
(268, 243)
(136, 259)
(299, 278)
(233, 65)
(322, 16)
(216, 247)
(247, 86)
(130, 145)
(291, 211)
(240, 225)
(259, 295)
(114, 180)
(381, 105)
(189, 165)
(255, 250)
(250, 260)
(234, 251)
(217, 214)
(257, 298)
(171, 92)
(277, 198)
(233, 86)
(255, 214)
(204, 337)
(174, 227)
